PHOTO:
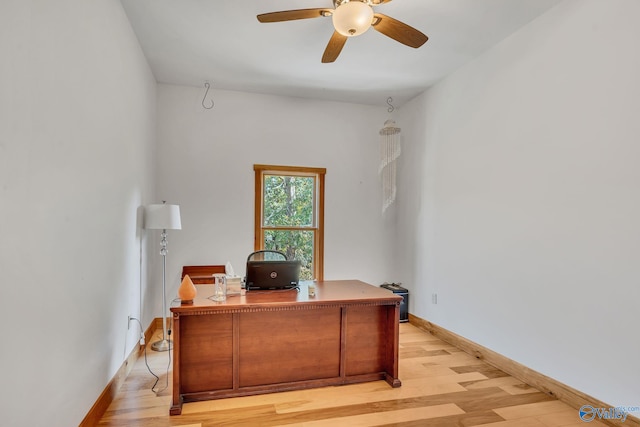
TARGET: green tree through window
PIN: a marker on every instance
(289, 216)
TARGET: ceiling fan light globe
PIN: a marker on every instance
(352, 18)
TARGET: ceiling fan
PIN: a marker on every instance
(352, 18)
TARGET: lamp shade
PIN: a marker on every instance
(352, 18)
(162, 217)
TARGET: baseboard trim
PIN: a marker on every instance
(108, 394)
(563, 392)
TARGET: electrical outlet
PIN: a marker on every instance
(434, 298)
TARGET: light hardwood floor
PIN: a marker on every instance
(441, 386)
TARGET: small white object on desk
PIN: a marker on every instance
(228, 269)
(312, 289)
(234, 285)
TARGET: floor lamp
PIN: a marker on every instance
(163, 217)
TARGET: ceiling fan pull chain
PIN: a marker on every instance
(207, 85)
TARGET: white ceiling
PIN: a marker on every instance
(190, 42)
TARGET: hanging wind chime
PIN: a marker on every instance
(389, 153)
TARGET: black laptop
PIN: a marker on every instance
(272, 274)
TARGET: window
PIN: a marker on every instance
(289, 214)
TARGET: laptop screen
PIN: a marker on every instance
(272, 274)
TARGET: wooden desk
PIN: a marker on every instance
(268, 341)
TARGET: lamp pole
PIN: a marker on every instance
(165, 343)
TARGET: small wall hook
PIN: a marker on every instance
(207, 85)
(389, 103)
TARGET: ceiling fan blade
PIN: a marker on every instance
(398, 31)
(290, 15)
(336, 43)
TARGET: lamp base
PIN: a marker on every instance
(162, 345)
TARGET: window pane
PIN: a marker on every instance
(288, 201)
(296, 245)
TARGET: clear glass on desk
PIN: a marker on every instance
(219, 287)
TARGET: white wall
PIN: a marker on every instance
(206, 160)
(519, 198)
(77, 126)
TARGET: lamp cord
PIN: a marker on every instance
(146, 362)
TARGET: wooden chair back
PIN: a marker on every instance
(202, 274)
